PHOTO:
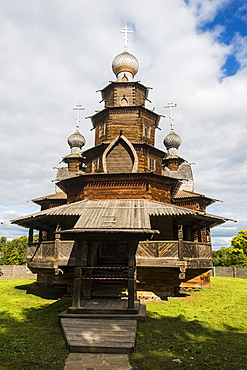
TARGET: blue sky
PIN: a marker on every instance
(232, 19)
(56, 54)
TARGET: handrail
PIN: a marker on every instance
(147, 249)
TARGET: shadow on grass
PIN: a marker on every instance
(31, 338)
(174, 342)
(42, 291)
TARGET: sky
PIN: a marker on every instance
(55, 54)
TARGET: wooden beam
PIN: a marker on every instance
(30, 235)
(77, 288)
(88, 282)
(180, 242)
(132, 274)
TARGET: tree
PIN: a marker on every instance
(15, 251)
(240, 241)
(235, 255)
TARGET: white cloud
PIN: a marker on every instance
(239, 45)
(58, 53)
(205, 10)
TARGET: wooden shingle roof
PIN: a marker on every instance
(116, 214)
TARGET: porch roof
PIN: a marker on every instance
(116, 214)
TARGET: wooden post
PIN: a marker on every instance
(88, 283)
(30, 236)
(234, 271)
(131, 275)
(180, 242)
(57, 242)
(199, 233)
(208, 235)
(40, 236)
(77, 288)
(131, 287)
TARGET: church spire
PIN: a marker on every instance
(125, 65)
(172, 141)
(76, 141)
(126, 30)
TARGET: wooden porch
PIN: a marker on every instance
(50, 254)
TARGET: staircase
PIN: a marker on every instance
(102, 325)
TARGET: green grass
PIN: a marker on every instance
(30, 336)
(205, 330)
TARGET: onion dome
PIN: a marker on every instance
(125, 64)
(76, 141)
(172, 142)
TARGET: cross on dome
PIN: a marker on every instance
(170, 106)
(126, 30)
(78, 108)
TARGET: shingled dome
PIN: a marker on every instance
(172, 140)
(125, 62)
(76, 140)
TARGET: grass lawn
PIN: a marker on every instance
(30, 336)
(205, 330)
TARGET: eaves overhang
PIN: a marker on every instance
(117, 214)
(112, 84)
(102, 176)
(99, 117)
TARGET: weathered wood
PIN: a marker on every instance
(30, 235)
(112, 336)
(180, 242)
(125, 116)
(99, 306)
(77, 288)
(158, 249)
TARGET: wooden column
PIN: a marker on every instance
(57, 242)
(199, 233)
(88, 283)
(40, 236)
(30, 235)
(132, 275)
(77, 288)
(208, 235)
(77, 275)
(180, 242)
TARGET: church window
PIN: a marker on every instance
(125, 78)
(151, 164)
(101, 130)
(124, 101)
(146, 131)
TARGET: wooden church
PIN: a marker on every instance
(125, 220)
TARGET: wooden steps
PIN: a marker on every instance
(105, 306)
(99, 336)
(107, 309)
(102, 325)
(140, 316)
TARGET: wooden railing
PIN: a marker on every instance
(173, 250)
(50, 250)
(61, 250)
